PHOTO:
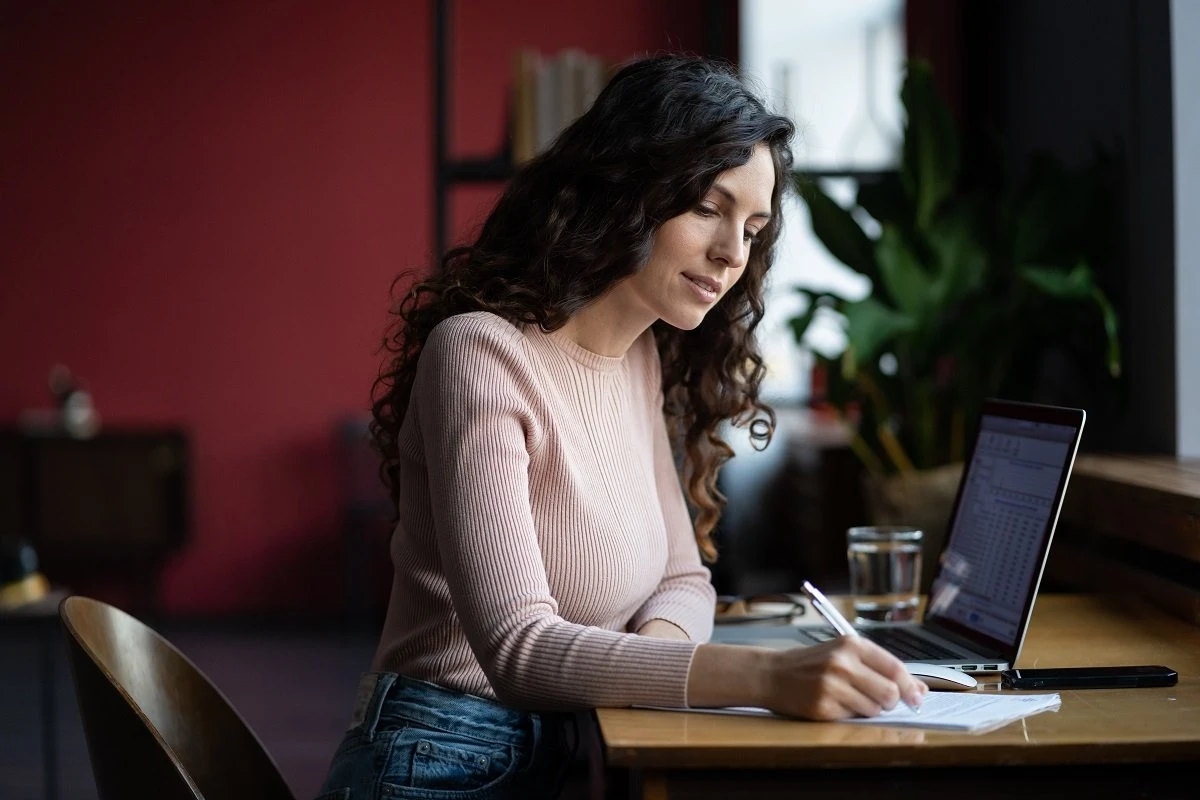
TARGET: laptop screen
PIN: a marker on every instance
(1003, 521)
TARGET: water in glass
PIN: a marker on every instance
(885, 571)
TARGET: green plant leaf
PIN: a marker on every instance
(930, 167)
(870, 325)
(1039, 216)
(971, 283)
(907, 282)
(886, 201)
(838, 231)
(960, 260)
(1077, 284)
(1113, 350)
(816, 300)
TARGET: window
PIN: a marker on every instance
(1185, 31)
(835, 68)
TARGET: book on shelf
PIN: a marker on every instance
(523, 112)
(549, 93)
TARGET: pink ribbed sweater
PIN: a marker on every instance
(541, 520)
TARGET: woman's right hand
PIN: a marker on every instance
(846, 677)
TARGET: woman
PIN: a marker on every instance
(545, 556)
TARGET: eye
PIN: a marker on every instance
(751, 237)
(706, 210)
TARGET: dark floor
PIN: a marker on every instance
(295, 689)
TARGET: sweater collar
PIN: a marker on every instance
(579, 354)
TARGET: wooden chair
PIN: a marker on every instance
(156, 726)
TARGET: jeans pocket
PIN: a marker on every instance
(430, 764)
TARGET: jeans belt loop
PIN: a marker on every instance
(383, 685)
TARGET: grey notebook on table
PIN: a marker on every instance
(987, 575)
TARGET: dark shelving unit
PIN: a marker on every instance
(477, 170)
(860, 175)
(448, 171)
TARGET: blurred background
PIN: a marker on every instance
(202, 208)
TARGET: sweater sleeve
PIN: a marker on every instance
(475, 399)
(685, 597)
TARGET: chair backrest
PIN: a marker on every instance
(156, 726)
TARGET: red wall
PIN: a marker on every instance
(201, 207)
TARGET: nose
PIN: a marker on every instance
(729, 247)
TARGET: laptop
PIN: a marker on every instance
(987, 575)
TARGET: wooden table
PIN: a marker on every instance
(1101, 743)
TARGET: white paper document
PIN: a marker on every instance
(948, 711)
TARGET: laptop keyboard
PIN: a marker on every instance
(907, 645)
(901, 642)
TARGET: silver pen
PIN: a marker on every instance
(840, 624)
(828, 610)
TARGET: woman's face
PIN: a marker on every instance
(699, 255)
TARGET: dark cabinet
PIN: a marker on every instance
(114, 503)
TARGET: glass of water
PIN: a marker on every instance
(885, 571)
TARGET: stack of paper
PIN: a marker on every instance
(960, 711)
(949, 711)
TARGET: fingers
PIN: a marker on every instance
(912, 690)
(872, 679)
(850, 676)
(860, 701)
(846, 688)
(870, 689)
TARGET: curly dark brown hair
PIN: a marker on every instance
(582, 216)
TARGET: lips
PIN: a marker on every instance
(711, 285)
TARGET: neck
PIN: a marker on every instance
(609, 325)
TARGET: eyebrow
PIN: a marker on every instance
(729, 196)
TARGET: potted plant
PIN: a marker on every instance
(977, 291)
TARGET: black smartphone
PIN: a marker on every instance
(1089, 677)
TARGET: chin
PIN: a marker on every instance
(685, 322)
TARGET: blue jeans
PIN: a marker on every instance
(413, 739)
